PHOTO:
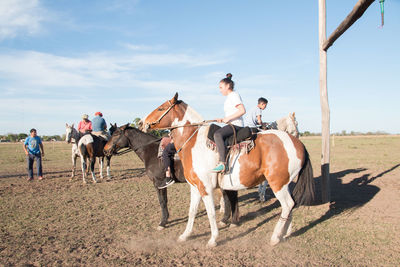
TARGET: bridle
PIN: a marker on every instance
(162, 115)
(115, 147)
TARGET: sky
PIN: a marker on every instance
(61, 59)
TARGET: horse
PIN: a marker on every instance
(72, 136)
(287, 124)
(90, 147)
(276, 157)
(146, 148)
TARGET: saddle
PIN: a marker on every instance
(244, 139)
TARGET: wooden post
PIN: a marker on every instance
(354, 15)
(325, 112)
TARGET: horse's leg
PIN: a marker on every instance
(108, 159)
(73, 166)
(101, 161)
(163, 199)
(92, 163)
(285, 220)
(231, 208)
(83, 164)
(227, 209)
(210, 208)
(194, 204)
(234, 203)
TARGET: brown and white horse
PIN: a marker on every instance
(277, 157)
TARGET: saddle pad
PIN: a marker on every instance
(241, 135)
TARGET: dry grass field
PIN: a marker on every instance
(59, 222)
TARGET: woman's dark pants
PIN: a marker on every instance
(219, 137)
(168, 157)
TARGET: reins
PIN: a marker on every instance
(205, 122)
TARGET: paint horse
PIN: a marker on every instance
(276, 157)
(146, 148)
(90, 147)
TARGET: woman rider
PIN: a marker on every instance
(234, 110)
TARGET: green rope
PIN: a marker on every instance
(381, 2)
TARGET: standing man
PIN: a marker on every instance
(253, 118)
(99, 126)
(33, 148)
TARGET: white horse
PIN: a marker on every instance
(287, 124)
(72, 136)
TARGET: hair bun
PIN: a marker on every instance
(229, 76)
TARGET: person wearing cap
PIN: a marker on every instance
(85, 125)
(99, 126)
(33, 148)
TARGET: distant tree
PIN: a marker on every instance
(22, 136)
(12, 137)
(136, 123)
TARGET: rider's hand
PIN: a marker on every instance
(225, 120)
(219, 120)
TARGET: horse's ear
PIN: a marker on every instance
(66, 124)
(175, 98)
(123, 127)
(72, 126)
(294, 114)
(115, 125)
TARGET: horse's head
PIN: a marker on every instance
(117, 141)
(164, 115)
(69, 130)
(291, 125)
(112, 128)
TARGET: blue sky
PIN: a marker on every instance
(60, 59)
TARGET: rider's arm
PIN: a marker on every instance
(259, 121)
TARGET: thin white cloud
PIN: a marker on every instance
(30, 68)
(20, 17)
(140, 47)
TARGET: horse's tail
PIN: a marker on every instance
(304, 191)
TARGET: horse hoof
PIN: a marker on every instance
(233, 225)
(160, 228)
(182, 238)
(222, 224)
(211, 244)
(274, 242)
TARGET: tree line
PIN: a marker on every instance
(11, 137)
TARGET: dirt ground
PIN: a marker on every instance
(59, 222)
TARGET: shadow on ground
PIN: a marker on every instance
(346, 196)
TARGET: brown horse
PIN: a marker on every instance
(276, 157)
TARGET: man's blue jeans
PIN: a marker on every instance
(30, 159)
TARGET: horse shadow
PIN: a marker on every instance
(344, 197)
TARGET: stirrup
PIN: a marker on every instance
(168, 183)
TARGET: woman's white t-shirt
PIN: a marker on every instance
(230, 107)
